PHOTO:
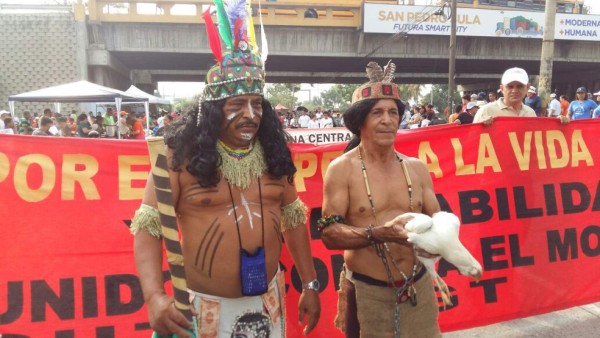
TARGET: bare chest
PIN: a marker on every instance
(265, 190)
(384, 191)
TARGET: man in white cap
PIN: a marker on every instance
(533, 100)
(467, 117)
(554, 106)
(514, 86)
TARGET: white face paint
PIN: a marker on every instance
(250, 110)
(231, 116)
(247, 136)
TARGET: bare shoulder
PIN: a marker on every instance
(417, 168)
(342, 163)
(413, 163)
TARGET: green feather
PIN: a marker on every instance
(224, 26)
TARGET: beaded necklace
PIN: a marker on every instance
(236, 153)
(241, 171)
(382, 249)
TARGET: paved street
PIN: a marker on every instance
(581, 322)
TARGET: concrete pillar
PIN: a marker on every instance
(545, 80)
(143, 80)
(81, 40)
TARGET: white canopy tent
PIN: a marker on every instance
(77, 92)
(135, 91)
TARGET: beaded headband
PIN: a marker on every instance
(380, 85)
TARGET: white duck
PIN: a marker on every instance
(438, 235)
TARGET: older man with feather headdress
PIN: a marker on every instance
(369, 192)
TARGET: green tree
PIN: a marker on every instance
(184, 105)
(410, 91)
(339, 96)
(313, 103)
(283, 93)
(439, 92)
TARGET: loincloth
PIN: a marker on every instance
(370, 309)
(263, 316)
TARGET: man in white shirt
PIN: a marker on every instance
(303, 119)
(326, 121)
(554, 106)
(313, 123)
(160, 122)
(319, 113)
(514, 86)
(54, 129)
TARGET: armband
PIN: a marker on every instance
(324, 222)
(146, 218)
(293, 215)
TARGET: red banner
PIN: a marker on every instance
(526, 190)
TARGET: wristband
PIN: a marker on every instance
(370, 234)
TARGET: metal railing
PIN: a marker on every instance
(328, 13)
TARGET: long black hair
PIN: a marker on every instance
(355, 115)
(197, 143)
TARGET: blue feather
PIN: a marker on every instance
(236, 9)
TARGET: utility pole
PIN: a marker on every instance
(545, 85)
(452, 58)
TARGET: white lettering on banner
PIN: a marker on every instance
(382, 18)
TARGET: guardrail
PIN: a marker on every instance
(329, 13)
(36, 7)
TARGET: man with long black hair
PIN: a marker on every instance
(367, 193)
(231, 177)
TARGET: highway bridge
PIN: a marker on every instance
(118, 43)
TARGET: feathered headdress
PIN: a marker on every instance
(380, 85)
(239, 69)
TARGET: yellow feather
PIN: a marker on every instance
(251, 34)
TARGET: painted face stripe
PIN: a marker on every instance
(250, 110)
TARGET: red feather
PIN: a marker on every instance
(213, 36)
(237, 31)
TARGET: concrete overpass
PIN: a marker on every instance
(330, 49)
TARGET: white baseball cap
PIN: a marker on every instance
(532, 90)
(515, 74)
(472, 105)
(553, 95)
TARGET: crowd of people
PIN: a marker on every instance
(124, 125)
(582, 107)
(303, 118)
(133, 125)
